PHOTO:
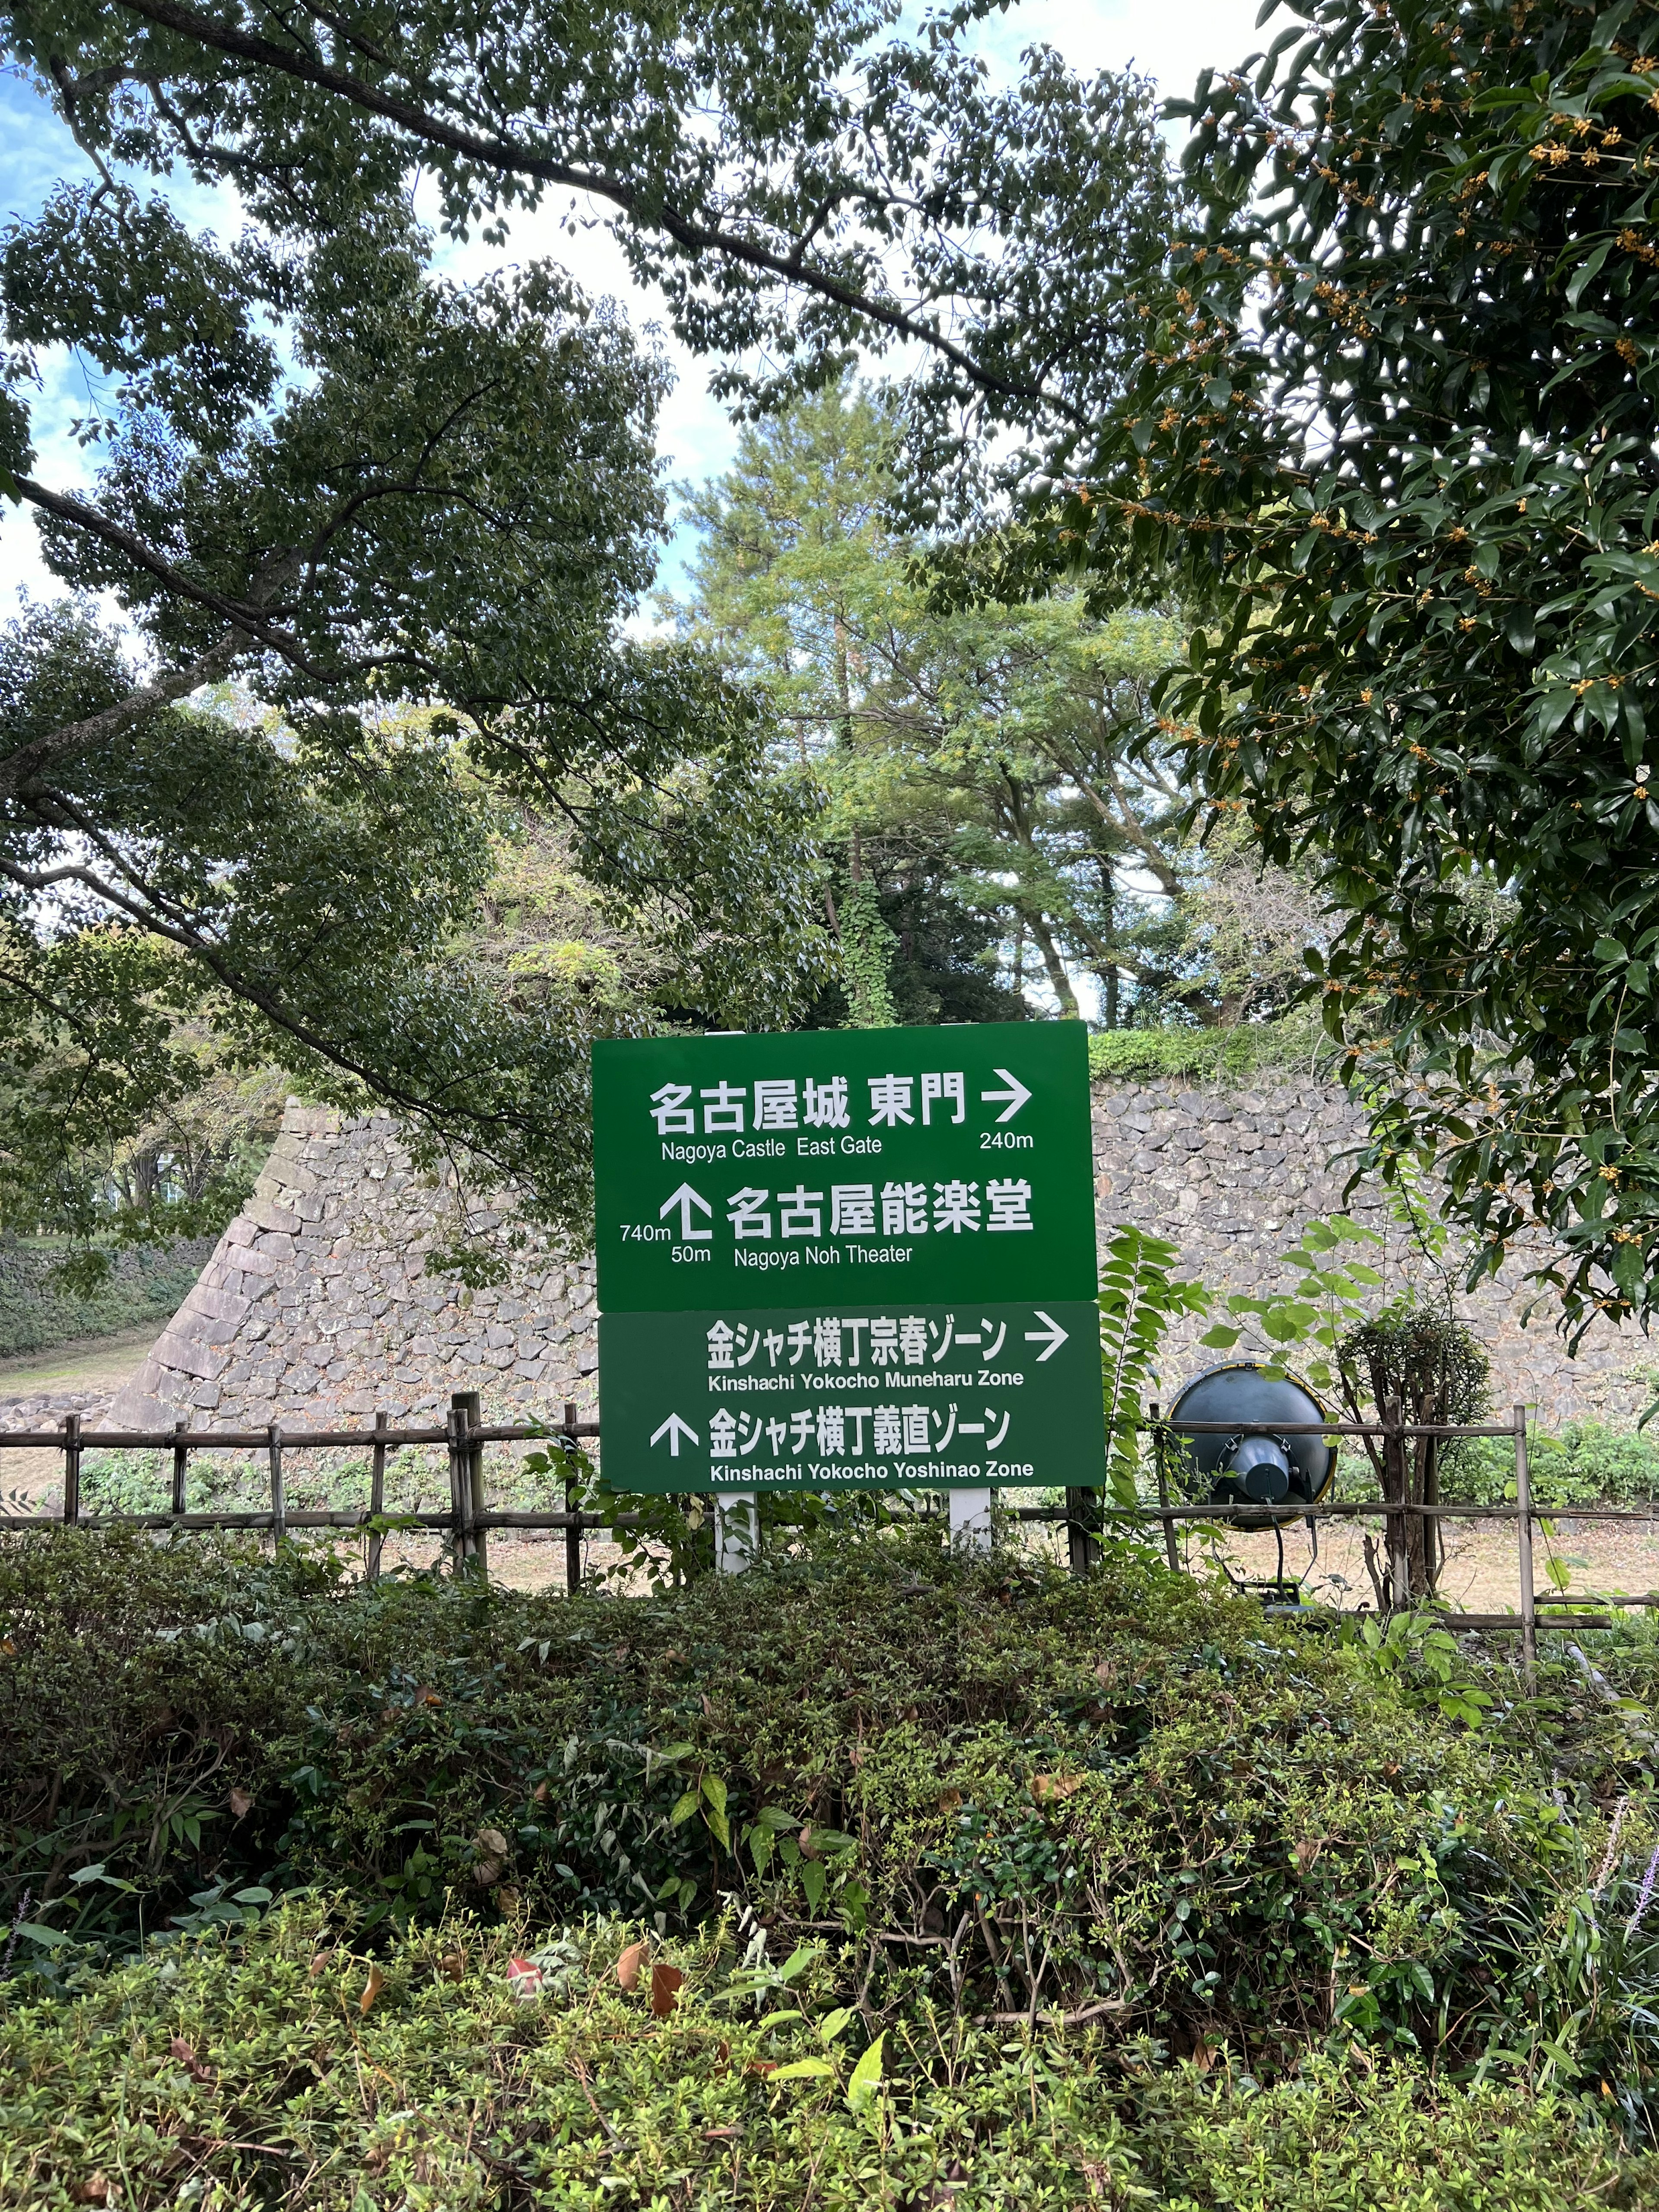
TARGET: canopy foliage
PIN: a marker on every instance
(406, 520)
(1394, 424)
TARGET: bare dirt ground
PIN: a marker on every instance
(1481, 1572)
(37, 1387)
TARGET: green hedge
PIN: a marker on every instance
(149, 1283)
(1230, 1055)
(990, 1788)
(276, 2063)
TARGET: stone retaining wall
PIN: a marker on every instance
(315, 1306)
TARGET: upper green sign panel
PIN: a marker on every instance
(838, 1164)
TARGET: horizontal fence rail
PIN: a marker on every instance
(1087, 1514)
(467, 1521)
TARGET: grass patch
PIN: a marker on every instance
(147, 1283)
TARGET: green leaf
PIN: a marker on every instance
(714, 1791)
(833, 2022)
(683, 1808)
(50, 1938)
(802, 2069)
(864, 2082)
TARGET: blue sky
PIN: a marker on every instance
(1169, 44)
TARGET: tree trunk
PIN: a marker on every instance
(1059, 981)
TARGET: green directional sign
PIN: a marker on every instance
(846, 1166)
(883, 1393)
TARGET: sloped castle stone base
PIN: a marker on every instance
(316, 1307)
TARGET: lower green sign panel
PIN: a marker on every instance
(806, 1398)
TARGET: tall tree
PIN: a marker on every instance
(978, 761)
(793, 178)
(368, 494)
(1396, 421)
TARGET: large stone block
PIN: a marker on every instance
(264, 1214)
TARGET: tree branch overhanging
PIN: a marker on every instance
(646, 208)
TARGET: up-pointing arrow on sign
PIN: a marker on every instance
(1017, 1095)
(673, 1428)
(685, 1197)
(1052, 1337)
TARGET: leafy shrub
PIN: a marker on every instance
(1588, 1463)
(124, 1481)
(1022, 1795)
(1207, 1054)
(280, 2064)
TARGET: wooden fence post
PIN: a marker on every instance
(1082, 1520)
(1393, 1494)
(180, 1467)
(1523, 1548)
(71, 1469)
(477, 1536)
(278, 1488)
(460, 1495)
(377, 1496)
(573, 1534)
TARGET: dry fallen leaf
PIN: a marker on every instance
(949, 1800)
(185, 2054)
(539, 1793)
(491, 1846)
(453, 1965)
(1105, 1673)
(1047, 1787)
(763, 2066)
(720, 2135)
(628, 1966)
(506, 1902)
(241, 1803)
(809, 1850)
(95, 2189)
(323, 1959)
(525, 1978)
(665, 1984)
(371, 1988)
(1307, 1851)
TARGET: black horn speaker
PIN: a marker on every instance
(1250, 1460)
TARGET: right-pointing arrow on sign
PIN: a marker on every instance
(1051, 1338)
(673, 1428)
(1017, 1095)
